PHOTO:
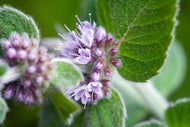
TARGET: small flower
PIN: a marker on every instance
(95, 52)
(23, 52)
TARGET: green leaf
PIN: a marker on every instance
(107, 113)
(3, 110)
(174, 70)
(144, 28)
(65, 107)
(178, 114)
(150, 123)
(49, 117)
(65, 74)
(12, 19)
(3, 67)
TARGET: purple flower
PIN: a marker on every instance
(35, 63)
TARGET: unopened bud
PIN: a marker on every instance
(100, 33)
(107, 72)
(11, 53)
(99, 52)
(21, 54)
(109, 39)
(99, 64)
(114, 51)
(31, 70)
(115, 62)
(95, 76)
(106, 83)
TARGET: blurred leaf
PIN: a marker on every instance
(88, 6)
(174, 70)
(65, 74)
(106, 113)
(13, 20)
(150, 123)
(49, 117)
(144, 29)
(65, 107)
(3, 110)
(3, 67)
(178, 114)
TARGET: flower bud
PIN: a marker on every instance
(100, 34)
(109, 39)
(99, 65)
(114, 51)
(95, 76)
(31, 70)
(21, 54)
(107, 72)
(115, 62)
(99, 52)
(11, 53)
(106, 83)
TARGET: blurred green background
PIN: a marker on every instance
(48, 14)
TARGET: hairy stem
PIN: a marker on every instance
(144, 94)
(10, 75)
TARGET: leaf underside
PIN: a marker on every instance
(13, 20)
(144, 28)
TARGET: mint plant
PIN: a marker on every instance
(101, 74)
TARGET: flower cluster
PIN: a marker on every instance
(35, 65)
(95, 52)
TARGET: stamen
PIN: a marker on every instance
(67, 27)
(78, 20)
(90, 17)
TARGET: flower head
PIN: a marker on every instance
(23, 52)
(95, 52)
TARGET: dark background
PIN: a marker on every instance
(49, 13)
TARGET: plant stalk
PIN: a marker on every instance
(144, 94)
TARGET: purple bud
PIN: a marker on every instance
(107, 72)
(21, 54)
(11, 53)
(26, 81)
(42, 59)
(114, 51)
(9, 93)
(20, 94)
(41, 68)
(31, 70)
(99, 52)
(25, 41)
(6, 44)
(96, 76)
(32, 56)
(106, 83)
(15, 43)
(100, 34)
(116, 62)
(29, 98)
(34, 43)
(109, 39)
(116, 43)
(99, 64)
(47, 76)
(42, 50)
(39, 80)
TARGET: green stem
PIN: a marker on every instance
(10, 75)
(144, 94)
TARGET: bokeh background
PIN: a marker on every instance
(51, 14)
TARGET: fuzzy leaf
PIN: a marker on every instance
(178, 114)
(144, 28)
(12, 19)
(3, 110)
(150, 123)
(174, 70)
(64, 106)
(65, 74)
(107, 113)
